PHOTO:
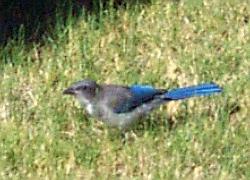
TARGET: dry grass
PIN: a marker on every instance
(167, 44)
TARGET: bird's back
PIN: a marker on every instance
(111, 98)
(113, 95)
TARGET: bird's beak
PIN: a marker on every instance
(69, 91)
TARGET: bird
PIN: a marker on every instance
(122, 106)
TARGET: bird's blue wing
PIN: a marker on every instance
(140, 94)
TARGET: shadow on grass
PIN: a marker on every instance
(38, 18)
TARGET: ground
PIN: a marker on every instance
(168, 44)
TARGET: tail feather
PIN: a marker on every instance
(187, 92)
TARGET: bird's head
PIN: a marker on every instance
(85, 91)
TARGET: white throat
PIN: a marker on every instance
(88, 105)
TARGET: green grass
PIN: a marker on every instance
(46, 135)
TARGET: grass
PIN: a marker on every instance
(168, 44)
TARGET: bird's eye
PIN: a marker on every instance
(84, 87)
(81, 88)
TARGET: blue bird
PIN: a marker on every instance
(121, 106)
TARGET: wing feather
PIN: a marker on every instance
(139, 94)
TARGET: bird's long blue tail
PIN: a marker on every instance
(187, 92)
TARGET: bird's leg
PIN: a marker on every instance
(127, 136)
(123, 137)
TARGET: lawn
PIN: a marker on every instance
(167, 44)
